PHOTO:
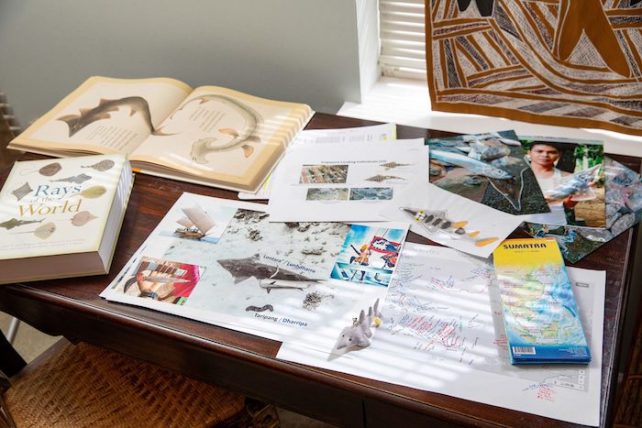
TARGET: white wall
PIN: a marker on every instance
(295, 50)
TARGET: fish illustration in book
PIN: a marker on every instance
(229, 138)
(438, 222)
(269, 277)
(104, 109)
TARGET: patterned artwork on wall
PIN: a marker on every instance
(558, 62)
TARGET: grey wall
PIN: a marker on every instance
(295, 50)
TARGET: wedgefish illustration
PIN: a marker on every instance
(103, 110)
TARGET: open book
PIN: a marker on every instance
(207, 135)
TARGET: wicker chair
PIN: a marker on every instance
(84, 386)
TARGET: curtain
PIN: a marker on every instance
(558, 62)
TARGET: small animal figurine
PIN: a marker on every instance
(359, 333)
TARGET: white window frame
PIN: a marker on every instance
(402, 39)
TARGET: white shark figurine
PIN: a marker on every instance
(359, 333)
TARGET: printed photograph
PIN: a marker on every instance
(371, 194)
(570, 174)
(162, 280)
(323, 174)
(201, 222)
(369, 255)
(489, 169)
(328, 194)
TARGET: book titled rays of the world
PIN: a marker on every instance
(540, 312)
(208, 135)
(61, 217)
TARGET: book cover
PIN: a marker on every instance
(540, 312)
(54, 211)
(208, 135)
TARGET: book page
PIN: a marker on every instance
(104, 115)
(229, 137)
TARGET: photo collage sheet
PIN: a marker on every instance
(223, 262)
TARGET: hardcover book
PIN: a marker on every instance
(540, 312)
(208, 135)
(61, 218)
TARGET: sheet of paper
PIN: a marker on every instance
(442, 331)
(452, 220)
(345, 182)
(375, 133)
(224, 263)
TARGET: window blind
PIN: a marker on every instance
(402, 35)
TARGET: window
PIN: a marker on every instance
(402, 36)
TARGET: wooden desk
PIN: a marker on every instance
(246, 363)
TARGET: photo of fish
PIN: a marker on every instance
(437, 223)
(322, 174)
(487, 168)
(327, 194)
(104, 110)
(371, 193)
(571, 177)
(623, 195)
(369, 255)
(163, 280)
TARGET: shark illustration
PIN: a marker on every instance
(270, 277)
(103, 110)
(437, 222)
(203, 146)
